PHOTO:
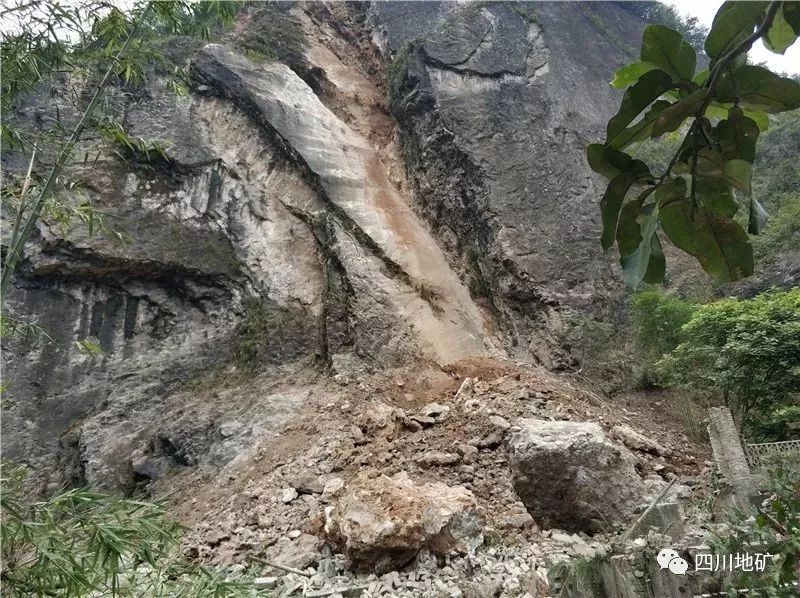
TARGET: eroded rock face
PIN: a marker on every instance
(285, 202)
(496, 105)
(394, 255)
(571, 476)
(272, 211)
(382, 523)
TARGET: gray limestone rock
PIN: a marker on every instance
(570, 475)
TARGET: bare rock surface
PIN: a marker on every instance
(323, 282)
(365, 204)
(570, 475)
(636, 441)
(496, 104)
(383, 522)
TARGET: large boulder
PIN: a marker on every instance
(570, 475)
(382, 523)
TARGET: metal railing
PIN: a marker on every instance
(758, 455)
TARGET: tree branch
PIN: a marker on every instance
(711, 83)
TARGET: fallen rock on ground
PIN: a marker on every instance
(637, 442)
(298, 553)
(382, 523)
(379, 418)
(570, 475)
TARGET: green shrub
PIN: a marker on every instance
(691, 411)
(658, 321)
(272, 34)
(781, 424)
(747, 352)
(783, 229)
(253, 334)
(81, 543)
(397, 71)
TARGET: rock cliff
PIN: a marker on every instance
(411, 190)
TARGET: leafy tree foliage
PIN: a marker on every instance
(722, 109)
(663, 14)
(80, 543)
(781, 424)
(658, 321)
(746, 351)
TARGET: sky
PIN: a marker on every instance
(705, 10)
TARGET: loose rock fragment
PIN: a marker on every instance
(636, 441)
(382, 523)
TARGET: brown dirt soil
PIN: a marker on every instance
(338, 433)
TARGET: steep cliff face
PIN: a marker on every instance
(300, 227)
(496, 104)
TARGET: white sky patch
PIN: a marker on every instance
(705, 10)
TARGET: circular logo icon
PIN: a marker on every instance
(678, 566)
(665, 556)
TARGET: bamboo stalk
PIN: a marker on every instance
(17, 244)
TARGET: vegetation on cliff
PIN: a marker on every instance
(94, 46)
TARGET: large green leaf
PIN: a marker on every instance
(721, 246)
(737, 136)
(638, 97)
(672, 118)
(668, 50)
(610, 162)
(657, 266)
(711, 187)
(761, 89)
(630, 73)
(739, 173)
(780, 34)
(758, 217)
(641, 256)
(640, 130)
(701, 77)
(733, 23)
(791, 12)
(716, 195)
(638, 225)
(721, 110)
(725, 91)
(629, 233)
(759, 117)
(712, 165)
(672, 190)
(611, 204)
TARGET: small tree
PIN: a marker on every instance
(746, 351)
(101, 44)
